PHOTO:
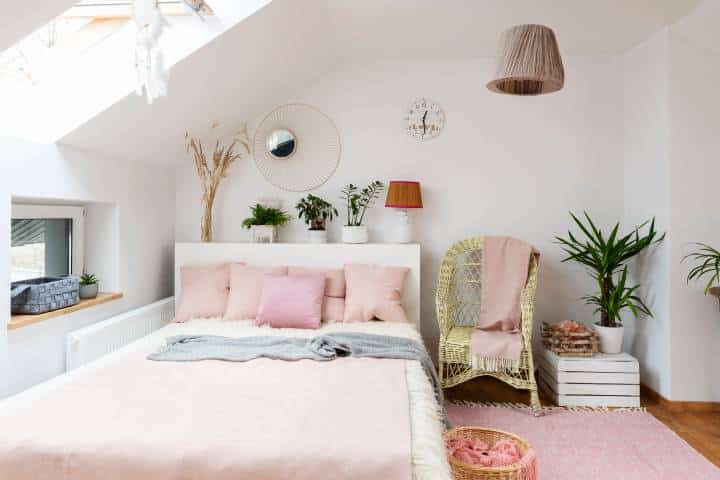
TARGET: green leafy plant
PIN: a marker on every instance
(605, 258)
(358, 201)
(708, 263)
(88, 279)
(315, 211)
(262, 215)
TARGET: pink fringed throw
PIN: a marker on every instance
(496, 343)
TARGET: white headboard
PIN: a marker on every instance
(331, 255)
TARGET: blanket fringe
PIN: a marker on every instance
(498, 365)
(522, 406)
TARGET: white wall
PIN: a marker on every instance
(134, 243)
(671, 119)
(503, 165)
(4, 267)
(646, 195)
(694, 106)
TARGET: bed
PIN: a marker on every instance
(124, 416)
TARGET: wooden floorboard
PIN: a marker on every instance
(701, 429)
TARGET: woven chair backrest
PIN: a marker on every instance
(466, 287)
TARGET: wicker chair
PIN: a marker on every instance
(458, 308)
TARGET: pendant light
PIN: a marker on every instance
(529, 63)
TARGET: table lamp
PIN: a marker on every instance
(404, 195)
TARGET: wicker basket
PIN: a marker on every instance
(525, 469)
(40, 295)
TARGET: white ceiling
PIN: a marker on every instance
(22, 18)
(291, 43)
(471, 27)
(701, 26)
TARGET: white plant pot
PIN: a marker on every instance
(317, 236)
(263, 233)
(89, 291)
(357, 234)
(611, 338)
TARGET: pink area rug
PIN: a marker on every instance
(594, 445)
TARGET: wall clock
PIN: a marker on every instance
(425, 119)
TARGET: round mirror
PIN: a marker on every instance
(281, 143)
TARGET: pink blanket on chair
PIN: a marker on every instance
(497, 341)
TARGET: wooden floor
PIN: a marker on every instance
(700, 428)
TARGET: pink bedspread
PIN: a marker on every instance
(260, 420)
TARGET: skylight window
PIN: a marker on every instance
(82, 62)
(83, 27)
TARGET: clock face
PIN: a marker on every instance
(425, 119)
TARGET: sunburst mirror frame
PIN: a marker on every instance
(317, 150)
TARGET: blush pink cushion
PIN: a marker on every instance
(204, 291)
(246, 284)
(374, 291)
(333, 309)
(334, 279)
(291, 301)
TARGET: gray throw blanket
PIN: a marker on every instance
(185, 348)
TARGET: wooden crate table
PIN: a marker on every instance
(599, 381)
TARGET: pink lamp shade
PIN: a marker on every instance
(404, 194)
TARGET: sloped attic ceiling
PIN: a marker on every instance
(21, 18)
(290, 43)
(233, 78)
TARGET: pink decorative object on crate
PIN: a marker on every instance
(570, 339)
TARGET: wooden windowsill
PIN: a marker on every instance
(19, 321)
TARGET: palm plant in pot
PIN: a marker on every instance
(605, 258)
(358, 201)
(316, 212)
(264, 222)
(707, 264)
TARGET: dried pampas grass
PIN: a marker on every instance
(211, 173)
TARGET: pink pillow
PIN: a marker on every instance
(291, 301)
(204, 291)
(333, 309)
(335, 279)
(246, 284)
(374, 291)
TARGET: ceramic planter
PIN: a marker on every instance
(263, 233)
(317, 236)
(355, 234)
(611, 338)
(89, 291)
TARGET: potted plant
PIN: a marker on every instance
(88, 286)
(358, 201)
(264, 222)
(708, 263)
(316, 212)
(605, 258)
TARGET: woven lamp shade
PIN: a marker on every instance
(530, 62)
(404, 194)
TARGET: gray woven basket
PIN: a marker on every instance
(41, 295)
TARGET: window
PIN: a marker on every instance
(47, 241)
(49, 50)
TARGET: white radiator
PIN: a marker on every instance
(94, 341)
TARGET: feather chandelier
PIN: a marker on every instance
(152, 75)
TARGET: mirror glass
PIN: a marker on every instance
(281, 143)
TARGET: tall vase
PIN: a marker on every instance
(206, 225)
(206, 230)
